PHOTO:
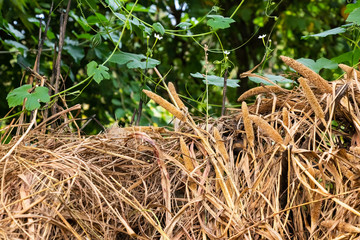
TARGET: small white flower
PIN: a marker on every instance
(147, 36)
(41, 16)
(262, 36)
(158, 36)
(226, 52)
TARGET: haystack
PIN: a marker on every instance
(285, 167)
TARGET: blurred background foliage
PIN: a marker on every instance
(94, 28)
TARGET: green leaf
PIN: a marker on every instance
(120, 16)
(17, 96)
(215, 8)
(219, 22)
(134, 60)
(99, 72)
(77, 53)
(16, 33)
(98, 18)
(333, 31)
(319, 64)
(87, 36)
(16, 44)
(278, 79)
(216, 81)
(145, 29)
(351, 57)
(354, 16)
(139, 8)
(114, 4)
(119, 113)
(184, 25)
(159, 28)
(82, 21)
(352, 7)
(274, 78)
(116, 102)
(41, 94)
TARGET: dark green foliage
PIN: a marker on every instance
(124, 48)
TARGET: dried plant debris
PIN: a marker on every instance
(315, 78)
(269, 171)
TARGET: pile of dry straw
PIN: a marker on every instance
(285, 167)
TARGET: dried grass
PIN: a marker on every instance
(152, 183)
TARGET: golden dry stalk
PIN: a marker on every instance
(313, 77)
(267, 129)
(310, 96)
(259, 90)
(165, 104)
(247, 124)
(186, 156)
(350, 70)
(285, 117)
(220, 145)
(176, 96)
(341, 226)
